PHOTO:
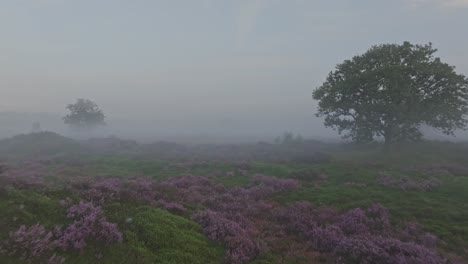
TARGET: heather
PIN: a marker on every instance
(408, 184)
(163, 203)
(34, 242)
(357, 236)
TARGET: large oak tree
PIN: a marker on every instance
(391, 91)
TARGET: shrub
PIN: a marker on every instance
(355, 222)
(240, 244)
(363, 251)
(384, 250)
(89, 224)
(358, 236)
(29, 242)
(278, 185)
(54, 259)
(408, 184)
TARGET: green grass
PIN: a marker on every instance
(125, 167)
(19, 207)
(153, 236)
(443, 212)
(118, 166)
(156, 236)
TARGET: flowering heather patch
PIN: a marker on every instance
(378, 218)
(324, 239)
(29, 242)
(243, 219)
(359, 236)
(354, 222)
(239, 241)
(139, 189)
(54, 259)
(35, 242)
(187, 181)
(408, 184)
(29, 175)
(189, 188)
(298, 217)
(355, 250)
(231, 212)
(407, 252)
(447, 170)
(89, 224)
(278, 185)
(428, 240)
(202, 190)
(134, 189)
(102, 190)
(414, 232)
(247, 202)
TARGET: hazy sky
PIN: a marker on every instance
(203, 59)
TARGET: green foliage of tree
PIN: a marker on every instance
(391, 91)
(84, 114)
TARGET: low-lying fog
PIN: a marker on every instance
(199, 70)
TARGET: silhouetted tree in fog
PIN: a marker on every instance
(84, 114)
(289, 138)
(391, 91)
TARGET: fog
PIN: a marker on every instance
(198, 70)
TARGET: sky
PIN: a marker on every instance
(244, 66)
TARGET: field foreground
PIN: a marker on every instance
(116, 201)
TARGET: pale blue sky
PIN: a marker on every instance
(203, 59)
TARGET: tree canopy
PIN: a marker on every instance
(391, 91)
(84, 114)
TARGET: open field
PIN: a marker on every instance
(116, 201)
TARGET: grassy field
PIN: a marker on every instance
(349, 179)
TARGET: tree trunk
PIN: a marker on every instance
(387, 144)
(388, 139)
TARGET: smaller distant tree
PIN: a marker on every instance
(84, 114)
